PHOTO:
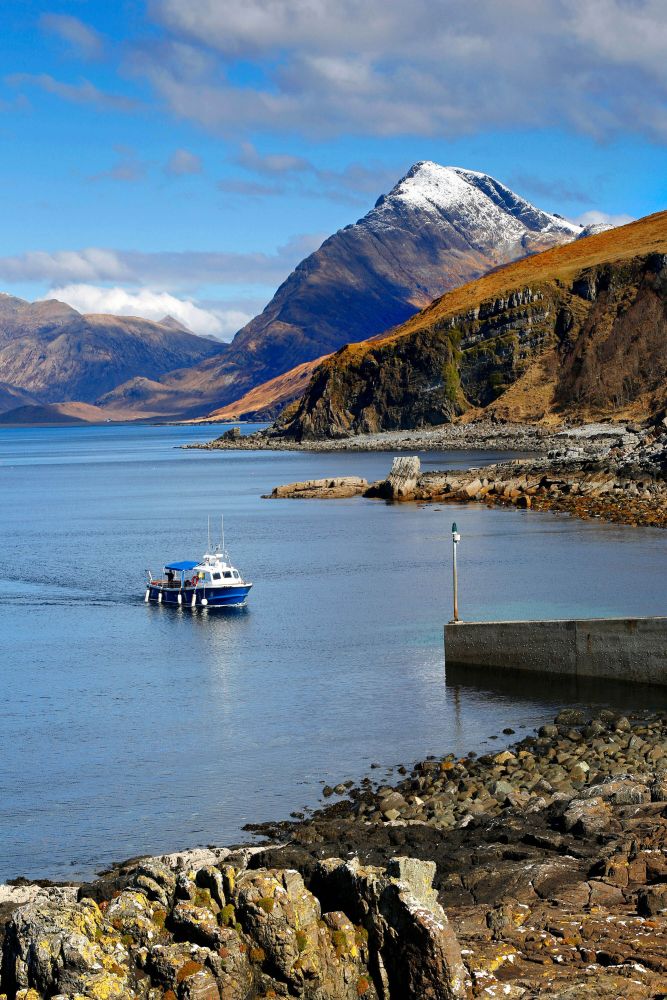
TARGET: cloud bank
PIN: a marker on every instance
(162, 271)
(149, 305)
(386, 68)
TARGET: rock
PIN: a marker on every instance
(622, 791)
(292, 943)
(69, 948)
(652, 900)
(586, 817)
(417, 875)
(339, 487)
(233, 434)
(211, 878)
(548, 732)
(197, 924)
(499, 789)
(570, 717)
(402, 480)
(394, 802)
(417, 952)
(133, 915)
(200, 985)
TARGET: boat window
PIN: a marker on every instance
(216, 576)
(236, 576)
(227, 573)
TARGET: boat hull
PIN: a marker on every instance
(201, 597)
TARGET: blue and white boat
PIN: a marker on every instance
(210, 583)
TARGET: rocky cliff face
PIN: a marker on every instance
(438, 228)
(54, 353)
(543, 337)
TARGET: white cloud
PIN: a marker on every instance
(182, 162)
(431, 67)
(165, 270)
(148, 304)
(82, 92)
(595, 218)
(81, 37)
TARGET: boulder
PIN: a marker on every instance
(132, 915)
(197, 924)
(401, 482)
(293, 946)
(413, 949)
(55, 947)
(621, 791)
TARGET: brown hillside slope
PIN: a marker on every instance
(265, 401)
(580, 330)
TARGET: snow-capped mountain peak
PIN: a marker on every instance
(486, 209)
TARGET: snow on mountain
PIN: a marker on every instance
(438, 228)
(485, 211)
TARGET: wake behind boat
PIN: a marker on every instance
(213, 582)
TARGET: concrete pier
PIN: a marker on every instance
(622, 649)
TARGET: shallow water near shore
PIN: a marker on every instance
(132, 729)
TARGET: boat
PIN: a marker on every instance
(210, 583)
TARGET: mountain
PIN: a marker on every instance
(578, 331)
(54, 353)
(267, 400)
(11, 397)
(438, 228)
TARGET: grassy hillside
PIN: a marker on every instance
(577, 331)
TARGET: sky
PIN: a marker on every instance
(181, 156)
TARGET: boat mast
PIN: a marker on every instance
(209, 533)
(222, 532)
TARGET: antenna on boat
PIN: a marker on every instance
(222, 531)
(209, 532)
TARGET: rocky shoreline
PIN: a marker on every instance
(619, 478)
(537, 871)
(482, 435)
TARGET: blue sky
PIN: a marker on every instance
(183, 155)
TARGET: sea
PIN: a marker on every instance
(128, 728)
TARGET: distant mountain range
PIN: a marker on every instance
(50, 353)
(579, 331)
(438, 228)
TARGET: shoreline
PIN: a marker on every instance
(616, 475)
(564, 888)
(483, 436)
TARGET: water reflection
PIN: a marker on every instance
(523, 687)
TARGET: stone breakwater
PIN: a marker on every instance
(539, 871)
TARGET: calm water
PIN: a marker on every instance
(128, 728)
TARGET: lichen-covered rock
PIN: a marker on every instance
(276, 910)
(293, 948)
(156, 880)
(198, 924)
(68, 948)
(414, 947)
(201, 985)
(135, 917)
(210, 878)
(587, 817)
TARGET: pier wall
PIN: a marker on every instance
(623, 649)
